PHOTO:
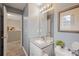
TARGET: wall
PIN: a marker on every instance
(48, 25)
(36, 23)
(31, 25)
(25, 40)
(52, 25)
(14, 36)
(14, 23)
(14, 20)
(33, 9)
(31, 22)
(43, 24)
(69, 38)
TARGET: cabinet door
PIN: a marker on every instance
(49, 50)
(35, 51)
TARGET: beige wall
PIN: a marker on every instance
(14, 36)
(14, 23)
(14, 20)
(33, 9)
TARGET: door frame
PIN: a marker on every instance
(4, 30)
(5, 43)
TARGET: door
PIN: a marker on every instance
(5, 34)
(1, 32)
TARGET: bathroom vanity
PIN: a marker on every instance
(40, 47)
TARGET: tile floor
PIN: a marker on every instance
(15, 49)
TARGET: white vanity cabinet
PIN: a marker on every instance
(48, 50)
(37, 51)
(34, 50)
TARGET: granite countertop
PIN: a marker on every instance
(39, 42)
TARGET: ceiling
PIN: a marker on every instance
(14, 16)
(17, 5)
(22, 5)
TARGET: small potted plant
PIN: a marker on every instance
(60, 43)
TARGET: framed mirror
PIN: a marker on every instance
(69, 20)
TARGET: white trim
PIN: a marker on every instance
(24, 51)
(21, 29)
(5, 30)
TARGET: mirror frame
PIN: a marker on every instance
(67, 9)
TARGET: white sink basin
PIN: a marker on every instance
(40, 41)
(46, 40)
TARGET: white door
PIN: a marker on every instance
(5, 29)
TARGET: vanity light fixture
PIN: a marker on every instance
(9, 14)
(46, 8)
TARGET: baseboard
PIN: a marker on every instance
(24, 51)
